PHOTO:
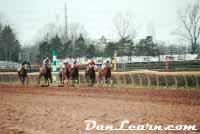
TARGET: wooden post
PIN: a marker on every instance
(176, 83)
(157, 81)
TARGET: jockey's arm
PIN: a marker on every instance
(49, 62)
(89, 65)
(95, 68)
(44, 61)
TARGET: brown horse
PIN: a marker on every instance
(90, 75)
(22, 74)
(105, 75)
(65, 74)
(46, 73)
(75, 74)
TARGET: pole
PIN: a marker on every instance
(115, 61)
(66, 19)
(54, 63)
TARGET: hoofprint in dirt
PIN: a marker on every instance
(62, 110)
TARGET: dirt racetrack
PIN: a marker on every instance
(62, 110)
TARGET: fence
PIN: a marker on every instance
(161, 66)
(153, 66)
(132, 78)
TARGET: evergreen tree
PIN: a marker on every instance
(80, 47)
(9, 45)
(43, 50)
(67, 49)
(56, 44)
(90, 51)
(146, 47)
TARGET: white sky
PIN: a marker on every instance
(157, 17)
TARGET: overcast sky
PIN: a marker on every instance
(157, 17)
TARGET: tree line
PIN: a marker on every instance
(80, 48)
(9, 44)
(70, 48)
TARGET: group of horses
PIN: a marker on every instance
(68, 74)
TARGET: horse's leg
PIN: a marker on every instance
(67, 82)
(63, 82)
(22, 77)
(68, 78)
(92, 78)
(78, 79)
(39, 77)
(50, 76)
(48, 82)
(27, 81)
(45, 80)
(107, 80)
(60, 76)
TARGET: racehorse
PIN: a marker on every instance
(75, 74)
(22, 74)
(65, 74)
(46, 73)
(90, 75)
(105, 75)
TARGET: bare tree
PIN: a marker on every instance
(2, 21)
(75, 29)
(124, 25)
(190, 20)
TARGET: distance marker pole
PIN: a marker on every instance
(54, 64)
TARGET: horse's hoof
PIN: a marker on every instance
(43, 85)
(60, 85)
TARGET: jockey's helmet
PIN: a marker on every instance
(93, 62)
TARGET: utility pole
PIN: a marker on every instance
(66, 21)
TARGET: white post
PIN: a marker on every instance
(54, 63)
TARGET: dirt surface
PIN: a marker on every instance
(63, 110)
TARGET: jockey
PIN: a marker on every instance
(107, 65)
(68, 66)
(92, 65)
(46, 62)
(75, 64)
(65, 65)
(62, 66)
(103, 66)
(23, 65)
